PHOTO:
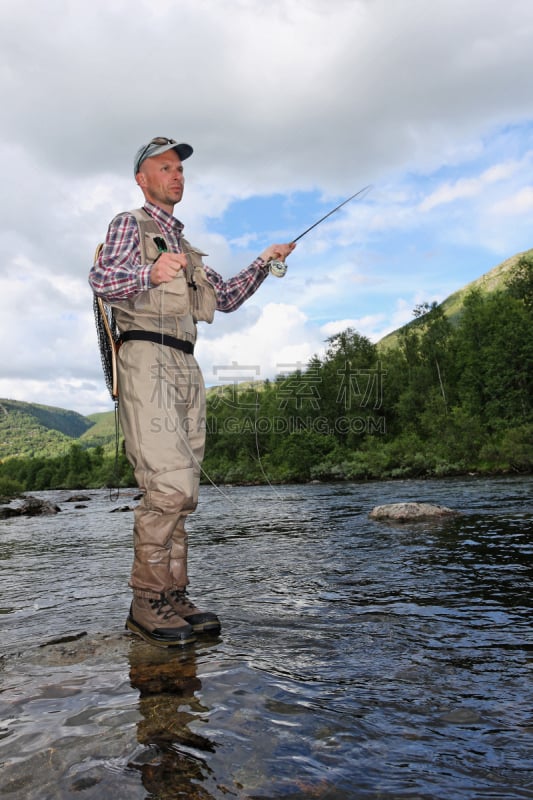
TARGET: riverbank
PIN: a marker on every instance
(403, 475)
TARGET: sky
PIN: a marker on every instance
(291, 106)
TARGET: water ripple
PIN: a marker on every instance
(358, 660)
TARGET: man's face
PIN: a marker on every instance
(161, 179)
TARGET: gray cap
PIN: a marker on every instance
(158, 145)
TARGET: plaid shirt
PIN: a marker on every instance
(118, 273)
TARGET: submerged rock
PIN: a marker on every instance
(80, 646)
(408, 512)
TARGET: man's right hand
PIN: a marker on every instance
(167, 267)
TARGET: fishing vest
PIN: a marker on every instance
(171, 308)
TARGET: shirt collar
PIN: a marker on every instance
(163, 217)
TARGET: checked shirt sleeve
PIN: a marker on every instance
(232, 293)
(117, 272)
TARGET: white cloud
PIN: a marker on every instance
(280, 335)
(520, 203)
(370, 325)
(468, 187)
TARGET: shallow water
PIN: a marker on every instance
(357, 659)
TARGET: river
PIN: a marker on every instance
(358, 660)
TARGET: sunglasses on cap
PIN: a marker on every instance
(157, 141)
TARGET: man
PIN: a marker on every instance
(159, 289)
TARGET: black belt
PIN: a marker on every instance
(158, 338)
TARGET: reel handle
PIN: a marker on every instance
(277, 268)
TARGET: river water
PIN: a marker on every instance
(357, 659)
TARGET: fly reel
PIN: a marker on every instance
(277, 268)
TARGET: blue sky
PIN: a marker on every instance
(291, 106)
(417, 237)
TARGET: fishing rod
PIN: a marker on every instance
(279, 268)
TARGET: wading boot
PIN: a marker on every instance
(200, 621)
(153, 617)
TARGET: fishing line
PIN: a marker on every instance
(280, 497)
(167, 409)
(186, 442)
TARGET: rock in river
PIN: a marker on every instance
(30, 507)
(409, 512)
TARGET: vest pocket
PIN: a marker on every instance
(203, 298)
(151, 248)
(201, 293)
(167, 298)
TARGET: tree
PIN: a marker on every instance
(351, 384)
(520, 284)
(494, 359)
(435, 345)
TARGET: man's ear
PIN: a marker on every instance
(141, 179)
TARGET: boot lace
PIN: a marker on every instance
(162, 607)
(180, 595)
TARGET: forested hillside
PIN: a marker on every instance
(448, 399)
(28, 429)
(449, 396)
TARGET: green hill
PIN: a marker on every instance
(101, 432)
(29, 429)
(494, 280)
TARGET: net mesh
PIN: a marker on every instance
(108, 335)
